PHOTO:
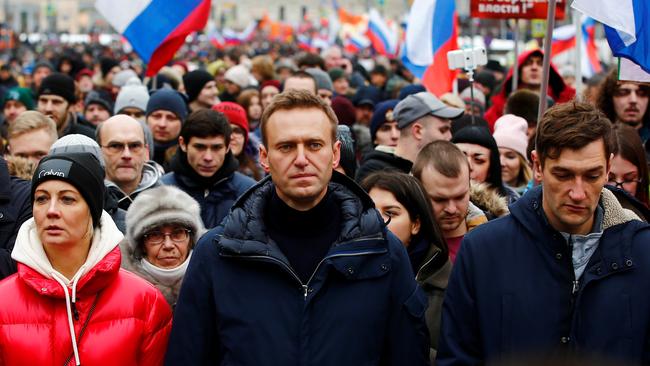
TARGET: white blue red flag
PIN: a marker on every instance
(383, 38)
(626, 26)
(155, 28)
(564, 39)
(431, 31)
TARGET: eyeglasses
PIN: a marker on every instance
(623, 183)
(158, 237)
(117, 147)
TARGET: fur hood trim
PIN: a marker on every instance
(614, 213)
(488, 200)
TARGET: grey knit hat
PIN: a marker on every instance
(76, 143)
(133, 94)
(322, 78)
(121, 78)
(158, 206)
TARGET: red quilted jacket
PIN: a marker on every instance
(118, 318)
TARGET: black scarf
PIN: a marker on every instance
(182, 168)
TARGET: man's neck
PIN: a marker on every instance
(459, 231)
(535, 88)
(636, 124)
(64, 124)
(129, 187)
(405, 150)
(299, 205)
(196, 105)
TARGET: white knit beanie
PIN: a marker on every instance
(158, 206)
(510, 132)
(239, 75)
(132, 95)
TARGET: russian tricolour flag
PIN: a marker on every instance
(564, 39)
(383, 38)
(355, 43)
(155, 28)
(431, 32)
(626, 26)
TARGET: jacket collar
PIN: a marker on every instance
(35, 269)
(529, 212)
(244, 229)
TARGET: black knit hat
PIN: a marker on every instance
(58, 84)
(168, 100)
(94, 97)
(194, 81)
(479, 135)
(106, 64)
(82, 170)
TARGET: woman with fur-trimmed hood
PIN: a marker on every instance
(162, 226)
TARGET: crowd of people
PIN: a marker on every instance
(276, 207)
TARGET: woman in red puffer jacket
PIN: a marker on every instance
(70, 303)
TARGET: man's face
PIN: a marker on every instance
(165, 125)
(209, 95)
(300, 154)
(268, 92)
(571, 186)
(54, 107)
(40, 74)
(378, 80)
(296, 83)
(125, 151)
(325, 95)
(341, 86)
(205, 154)
(12, 109)
(387, 134)
(334, 58)
(531, 71)
(363, 114)
(630, 104)
(86, 84)
(449, 198)
(32, 145)
(434, 129)
(96, 114)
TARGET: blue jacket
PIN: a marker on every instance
(242, 304)
(512, 291)
(15, 208)
(215, 201)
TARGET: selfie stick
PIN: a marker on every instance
(550, 24)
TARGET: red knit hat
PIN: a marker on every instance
(235, 115)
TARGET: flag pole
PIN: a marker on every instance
(550, 24)
(515, 74)
(578, 48)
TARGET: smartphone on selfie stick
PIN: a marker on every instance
(468, 59)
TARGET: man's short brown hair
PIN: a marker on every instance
(443, 156)
(297, 99)
(573, 126)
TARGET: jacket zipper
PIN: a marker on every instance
(434, 256)
(305, 286)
